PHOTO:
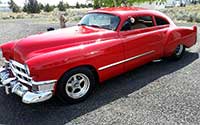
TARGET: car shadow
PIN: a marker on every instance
(13, 111)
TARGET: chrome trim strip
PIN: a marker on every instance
(18, 64)
(31, 97)
(44, 82)
(20, 79)
(7, 62)
(25, 77)
(126, 60)
(20, 73)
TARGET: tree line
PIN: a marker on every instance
(116, 3)
(33, 6)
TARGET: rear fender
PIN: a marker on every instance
(180, 35)
(173, 39)
(189, 36)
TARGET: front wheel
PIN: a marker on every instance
(75, 85)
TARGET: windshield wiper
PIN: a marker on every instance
(96, 26)
(82, 24)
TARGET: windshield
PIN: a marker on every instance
(100, 20)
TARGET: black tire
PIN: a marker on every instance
(178, 53)
(62, 92)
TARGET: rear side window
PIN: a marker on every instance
(139, 22)
(146, 20)
(161, 21)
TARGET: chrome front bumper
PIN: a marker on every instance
(13, 85)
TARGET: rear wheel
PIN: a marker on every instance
(75, 85)
(178, 53)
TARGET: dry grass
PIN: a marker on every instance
(189, 13)
(71, 15)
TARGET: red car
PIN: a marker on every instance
(107, 42)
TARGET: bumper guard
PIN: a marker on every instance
(13, 85)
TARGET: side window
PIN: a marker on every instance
(161, 21)
(138, 22)
(127, 25)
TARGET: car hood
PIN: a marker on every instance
(34, 45)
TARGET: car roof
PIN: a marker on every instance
(120, 11)
(125, 12)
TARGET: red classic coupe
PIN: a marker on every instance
(105, 43)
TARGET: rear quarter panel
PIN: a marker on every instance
(179, 35)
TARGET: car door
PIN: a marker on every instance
(143, 43)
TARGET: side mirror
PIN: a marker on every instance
(50, 29)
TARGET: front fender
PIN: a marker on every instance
(7, 49)
(52, 65)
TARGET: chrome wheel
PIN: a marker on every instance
(179, 50)
(77, 86)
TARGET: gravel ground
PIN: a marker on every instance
(161, 92)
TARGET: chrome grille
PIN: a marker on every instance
(20, 72)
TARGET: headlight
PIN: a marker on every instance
(27, 69)
(1, 53)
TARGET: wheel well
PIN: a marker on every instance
(94, 71)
